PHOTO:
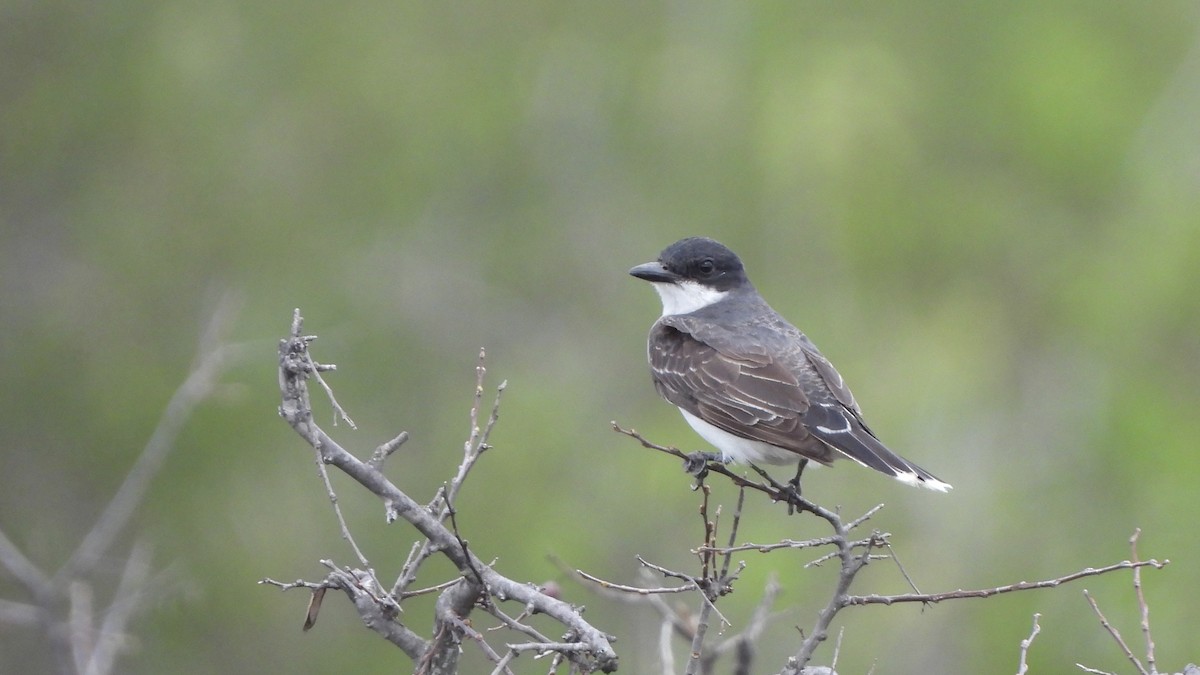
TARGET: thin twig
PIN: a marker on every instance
(514, 624)
(470, 559)
(696, 581)
(337, 510)
(1142, 604)
(338, 410)
(477, 438)
(903, 572)
(837, 648)
(864, 517)
(1023, 667)
(1092, 670)
(609, 585)
(432, 589)
(1116, 635)
(790, 543)
(988, 592)
(832, 555)
(733, 530)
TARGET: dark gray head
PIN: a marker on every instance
(697, 259)
(693, 273)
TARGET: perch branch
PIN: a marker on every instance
(853, 555)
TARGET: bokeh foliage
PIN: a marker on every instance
(985, 213)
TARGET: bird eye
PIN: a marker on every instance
(707, 266)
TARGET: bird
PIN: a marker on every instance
(747, 381)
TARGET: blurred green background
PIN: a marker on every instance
(986, 214)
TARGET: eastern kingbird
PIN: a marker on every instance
(745, 379)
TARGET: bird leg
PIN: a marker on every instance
(794, 486)
(795, 482)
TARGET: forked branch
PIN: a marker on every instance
(478, 583)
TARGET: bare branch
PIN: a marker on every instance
(702, 582)
(479, 581)
(212, 359)
(22, 569)
(19, 613)
(449, 628)
(743, 643)
(366, 602)
(82, 634)
(988, 592)
(850, 566)
(128, 597)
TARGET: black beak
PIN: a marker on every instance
(654, 272)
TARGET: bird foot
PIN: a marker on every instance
(696, 463)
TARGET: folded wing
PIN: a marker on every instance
(793, 400)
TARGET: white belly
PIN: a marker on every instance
(738, 449)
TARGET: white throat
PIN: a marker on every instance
(686, 297)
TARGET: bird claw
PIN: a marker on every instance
(696, 463)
